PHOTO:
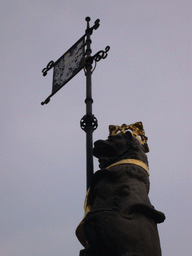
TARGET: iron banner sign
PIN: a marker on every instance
(66, 67)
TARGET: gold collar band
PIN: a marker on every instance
(131, 161)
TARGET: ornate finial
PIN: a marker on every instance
(136, 129)
(87, 18)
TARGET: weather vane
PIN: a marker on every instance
(65, 68)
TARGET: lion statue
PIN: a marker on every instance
(119, 218)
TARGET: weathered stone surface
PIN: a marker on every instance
(121, 219)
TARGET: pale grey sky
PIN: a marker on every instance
(146, 77)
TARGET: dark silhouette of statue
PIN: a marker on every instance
(119, 218)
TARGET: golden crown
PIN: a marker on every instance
(136, 129)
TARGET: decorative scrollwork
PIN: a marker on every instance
(88, 122)
(101, 54)
(49, 66)
(95, 26)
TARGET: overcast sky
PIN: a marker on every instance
(146, 77)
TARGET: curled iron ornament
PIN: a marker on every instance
(95, 26)
(48, 67)
(101, 54)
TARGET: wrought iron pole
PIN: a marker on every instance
(89, 101)
(89, 122)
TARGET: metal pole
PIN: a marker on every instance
(89, 101)
(89, 122)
